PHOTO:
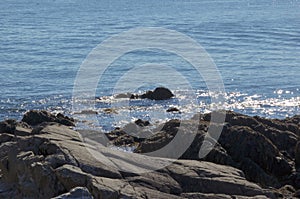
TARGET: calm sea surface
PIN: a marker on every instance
(255, 45)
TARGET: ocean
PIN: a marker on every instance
(254, 44)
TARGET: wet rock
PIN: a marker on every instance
(124, 140)
(123, 95)
(110, 111)
(125, 137)
(173, 109)
(35, 117)
(87, 112)
(142, 123)
(159, 93)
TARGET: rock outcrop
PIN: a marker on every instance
(159, 93)
(264, 149)
(35, 117)
(49, 160)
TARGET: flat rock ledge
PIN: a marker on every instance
(50, 160)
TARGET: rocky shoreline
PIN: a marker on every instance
(43, 157)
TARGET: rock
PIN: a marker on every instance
(124, 140)
(8, 126)
(69, 143)
(262, 152)
(15, 128)
(217, 155)
(142, 123)
(155, 142)
(297, 194)
(110, 188)
(287, 191)
(76, 193)
(204, 177)
(87, 112)
(159, 93)
(115, 134)
(173, 109)
(123, 95)
(35, 117)
(128, 136)
(30, 175)
(243, 142)
(50, 160)
(110, 111)
(297, 156)
(219, 196)
(71, 176)
(4, 137)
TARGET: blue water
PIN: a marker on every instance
(255, 45)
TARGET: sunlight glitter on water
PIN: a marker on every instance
(112, 112)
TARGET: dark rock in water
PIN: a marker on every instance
(123, 95)
(35, 117)
(124, 140)
(110, 111)
(159, 93)
(142, 123)
(134, 96)
(87, 112)
(173, 109)
(130, 135)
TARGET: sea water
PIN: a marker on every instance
(254, 44)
